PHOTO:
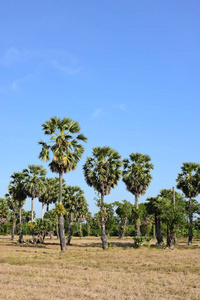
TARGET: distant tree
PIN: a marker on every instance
(12, 205)
(167, 213)
(51, 194)
(188, 181)
(53, 217)
(124, 211)
(27, 215)
(35, 182)
(96, 224)
(88, 223)
(153, 208)
(146, 220)
(137, 176)
(76, 206)
(171, 214)
(42, 228)
(18, 192)
(67, 151)
(3, 211)
(102, 172)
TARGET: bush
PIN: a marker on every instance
(139, 240)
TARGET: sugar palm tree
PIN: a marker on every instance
(189, 183)
(102, 172)
(137, 176)
(66, 149)
(35, 182)
(12, 205)
(18, 192)
(50, 196)
(3, 210)
(75, 204)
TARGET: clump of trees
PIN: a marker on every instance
(168, 215)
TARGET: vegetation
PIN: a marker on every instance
(162, 223)
(102, 172)
(18, 192)
(137, 176)
(189, 182)
(66, 149)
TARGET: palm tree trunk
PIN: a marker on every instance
(80, 230)
(32, 209)
(57, 231)
(47, 210)
(191, 224)
(158, 229)
(21, 240)
(136, 200)
(138, 223)
(70, 230)
(13, 226)
(60, 218)
(169, 240)
(103, 227)
(123, 226)
(42, 210)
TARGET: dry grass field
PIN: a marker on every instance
(85, 271)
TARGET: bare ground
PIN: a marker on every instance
(85, 271)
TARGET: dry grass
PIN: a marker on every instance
(85, 271)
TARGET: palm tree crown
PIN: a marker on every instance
(74, 201)
(136, 173)
(102, 171)
(65, 148)
(189, 180)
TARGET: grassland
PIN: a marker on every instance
(85, 271)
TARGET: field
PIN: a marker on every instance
(85, 271)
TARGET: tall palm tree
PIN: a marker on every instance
(102, 172)
(35, 182)
(137, 176)
(18, 192)
(75, 204)
(189, 183)
(65, 146)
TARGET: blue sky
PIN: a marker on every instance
(127, 71)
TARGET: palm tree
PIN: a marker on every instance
(124, 211)
(137, 177)
(50, 196)
(3, 211)
(154, 209)
(18, 192)
(67, 151)
(75, 204)
(35, 182)
(189, 183)
(12, 205)
(102, 172)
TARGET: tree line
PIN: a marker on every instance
(169, 214)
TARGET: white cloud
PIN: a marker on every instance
(14, 55)
(15, 84)
(97, 112)
(58, 59)
(66, 69)
(122, 107)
